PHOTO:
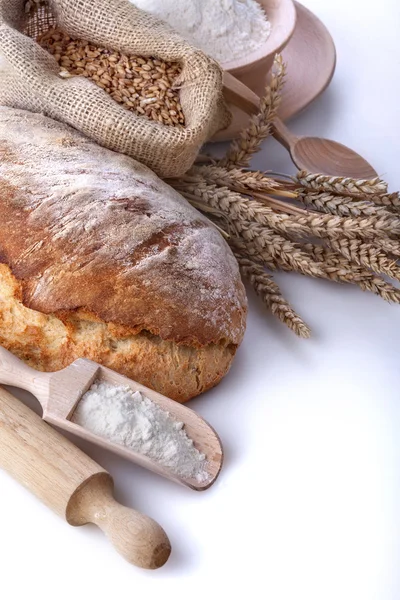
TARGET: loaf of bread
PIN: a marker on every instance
(101, 259)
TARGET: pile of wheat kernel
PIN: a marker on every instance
(142, 85)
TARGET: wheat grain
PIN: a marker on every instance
(389, 246)
(141, 85)
(279, 249)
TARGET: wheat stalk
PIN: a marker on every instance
(279, 205)
(276, 248)
(251, 251)
(256, 222)
(316, 225)
(242, 149)
(346, 230)
(248, 219)
(271, 295)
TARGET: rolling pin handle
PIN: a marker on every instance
(73, 485)
(139, 539)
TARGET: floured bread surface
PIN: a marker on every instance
(111, 262)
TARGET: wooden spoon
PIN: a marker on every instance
(73, 485)
(316, 155)
(60, 392)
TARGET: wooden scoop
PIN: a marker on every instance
(60, 392)
(73, 485)
(316, 155)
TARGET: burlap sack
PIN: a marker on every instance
(30, 79)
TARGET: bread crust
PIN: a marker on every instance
(112, 262)
(48, 343)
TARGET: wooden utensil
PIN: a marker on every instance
(73, 485)
(316, 155)
(282, 17)
(60, 392)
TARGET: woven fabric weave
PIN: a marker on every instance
(30, 80)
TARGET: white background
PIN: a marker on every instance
(307, 505)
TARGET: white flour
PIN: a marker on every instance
(224, 29)
(130, 419)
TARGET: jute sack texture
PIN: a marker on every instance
(29, 78)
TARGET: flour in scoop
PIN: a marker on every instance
(130, 419)
(224, 29)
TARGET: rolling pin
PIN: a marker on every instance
(73, 485)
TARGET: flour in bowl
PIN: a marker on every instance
(224, 29)
(131, 419)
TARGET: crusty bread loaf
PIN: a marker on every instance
(101, 259)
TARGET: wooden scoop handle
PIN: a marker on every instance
(14, 371)
(73, 485)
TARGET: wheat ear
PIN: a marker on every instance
(250, 220)
(242, 149)
(237, 207)
(271, 295)
(342, 206)
(343, 186)
(247, 180)
(273, 247)
(389, 246)
(335, 227)
(251, 251)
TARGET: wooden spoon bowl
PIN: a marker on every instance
(319, 155)
(315, 155)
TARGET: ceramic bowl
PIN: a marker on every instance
(251, 68)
